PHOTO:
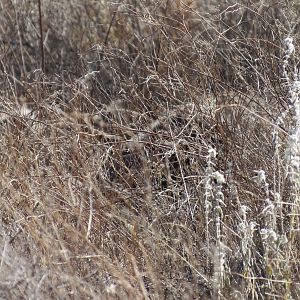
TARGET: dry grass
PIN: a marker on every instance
(156, 157)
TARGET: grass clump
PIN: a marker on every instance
(149, 150)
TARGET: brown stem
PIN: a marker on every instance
(41, 36)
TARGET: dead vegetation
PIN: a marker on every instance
(153, 158)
